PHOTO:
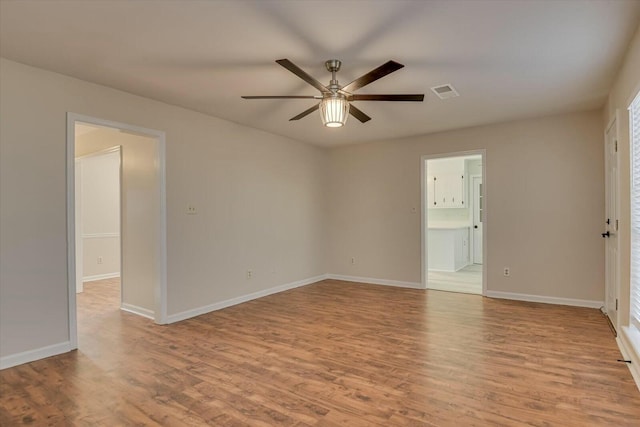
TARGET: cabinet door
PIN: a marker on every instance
(449, 191)
(456, 191)
(440, 191)
(446, 186)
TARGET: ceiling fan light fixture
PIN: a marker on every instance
(335, 105)
(334, 110)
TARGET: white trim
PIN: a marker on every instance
(485, 227)
(183, 315)
(37, 354)
(544, 299)
(634, 92)
(424, 219)
(161, 289)
(372, 281)
(71, 231)
(629, 344)
(614, 121)
(100, 277)
(140, 311)
(100, 235)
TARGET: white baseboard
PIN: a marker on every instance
(100, 277)
(544, 299)
(244, 298)
(32, 355)
(385, 282)
(149, 314)
(628, 351)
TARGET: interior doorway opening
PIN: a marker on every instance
(116, 219)
(453, 222)
(97, 210)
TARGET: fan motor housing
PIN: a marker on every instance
(333, 65)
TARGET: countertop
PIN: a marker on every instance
(441, 225)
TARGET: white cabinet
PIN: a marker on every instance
(446, 186)
(448, 190)
(448, 248)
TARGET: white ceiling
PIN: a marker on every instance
(508, 59)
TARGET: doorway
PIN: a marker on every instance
(97, 209)
(142, 216)
(611, 222)
(453, 222)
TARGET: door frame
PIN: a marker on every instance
(424, 215)
(160, 288)
(614, 123)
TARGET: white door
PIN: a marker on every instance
(611, 224)
(477, 219)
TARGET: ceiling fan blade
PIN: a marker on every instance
(306, 112)
(358, 114)
(413, 97)
(283, 97)
(373, 75)
(302, 74)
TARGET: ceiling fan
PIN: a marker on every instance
(336, 101)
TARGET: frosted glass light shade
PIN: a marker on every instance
(334, 111)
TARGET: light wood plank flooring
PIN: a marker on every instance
(467, 280)
(332, 354)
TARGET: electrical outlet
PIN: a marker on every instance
(506, 272)
(99, 260)
(353, 260)
(191, 210)
(249, 274)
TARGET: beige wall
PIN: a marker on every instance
(545, 205)
(106, 248)
(260, 201)
(626, 86)
(279, 207)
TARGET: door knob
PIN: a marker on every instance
(475, 226)
(607, 234)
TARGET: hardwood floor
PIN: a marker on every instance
(467, 280)
(332, 354)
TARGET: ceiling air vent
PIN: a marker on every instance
(445, 91)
